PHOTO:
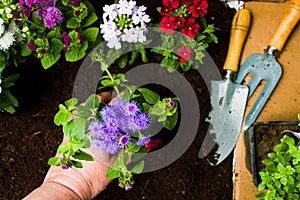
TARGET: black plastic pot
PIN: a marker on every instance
(262, 137)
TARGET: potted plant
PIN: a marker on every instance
(273, 158)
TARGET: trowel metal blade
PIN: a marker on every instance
(228, 101)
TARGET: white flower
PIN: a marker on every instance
(108, 26)
(114, 43)
(126, 7)
(0, 87)
(143, 19)
(110, 11)
(236, 4)
(129, 35)
(141, 35)
(7, 40)
(110, 33)
(17, 33)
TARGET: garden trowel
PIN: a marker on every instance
(264, 66)
(228, 99)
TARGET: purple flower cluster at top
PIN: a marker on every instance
(111, 133)
(45, 10)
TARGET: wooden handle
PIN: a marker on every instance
(286, 26)
(239, 30)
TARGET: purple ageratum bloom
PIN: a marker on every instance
(143, 141)
(141, 121)
(31, 45)
(109, 146)
(42, 51)
(53, 17)
(124, 140)
(132, 108)
(17, 15)
(77, 12)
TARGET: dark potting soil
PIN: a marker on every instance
(29, 137)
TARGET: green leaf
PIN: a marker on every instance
(81, 155)
(138, 168)
(62, 117)
(122, 61)
(62, 148)
(49, 59)
(92, 101)
(90, 19)
(283, 180)
(91, 34)
(55, 161)
(146, 107)
(260, 195)
(73, 23)
(10, 81)
(65, 2)
(57, 46)
(71, 102)
(112, 173)
(79, 128)
(144, 56)
(133, 148)
(77, 164)
(171, 121)
(150, 96)
(74, 55)
(25, 51)
(157, 109)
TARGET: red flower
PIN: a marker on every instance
(190, 29)
(167, 25)
(187, 2)
(178, 22)
(166, 10)
(171, 3)
(184, 53)
(199, 8)
(153, 143)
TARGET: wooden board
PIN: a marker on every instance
(284, 103)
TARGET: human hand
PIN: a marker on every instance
(77, 183)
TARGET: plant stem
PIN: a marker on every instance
(112, 79)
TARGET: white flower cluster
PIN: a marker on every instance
(235, 4)
(9, 36)
(125, 22)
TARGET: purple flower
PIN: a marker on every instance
(77, 13)
(124, 140)
(53, 17)
(42, 51)
(31, 3)
(108, 146)
(26, 12)
(76, 3)
(142, 121)
(80, 37)
(17, 15)
(132, 108)
(172, 103)
(31, 45)
(143, 141)
(64, 167)
(20, 24)
(128, 188)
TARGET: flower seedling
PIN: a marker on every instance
(185, 17)
(281, 176)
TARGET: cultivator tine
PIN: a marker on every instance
(262, 68)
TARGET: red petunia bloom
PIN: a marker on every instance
(171, 3)
(199, 8)
(184, 53)
(187, 2)
(178, 22)
(166, 10)
(191, 28)
(167, 25)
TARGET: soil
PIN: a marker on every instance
(266, 137)
(29, 137)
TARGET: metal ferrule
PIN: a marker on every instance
(230, 74)
(273, 51)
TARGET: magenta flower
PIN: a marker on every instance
(31, 45)
(26, 12)
(53, 17)
(190, 29)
